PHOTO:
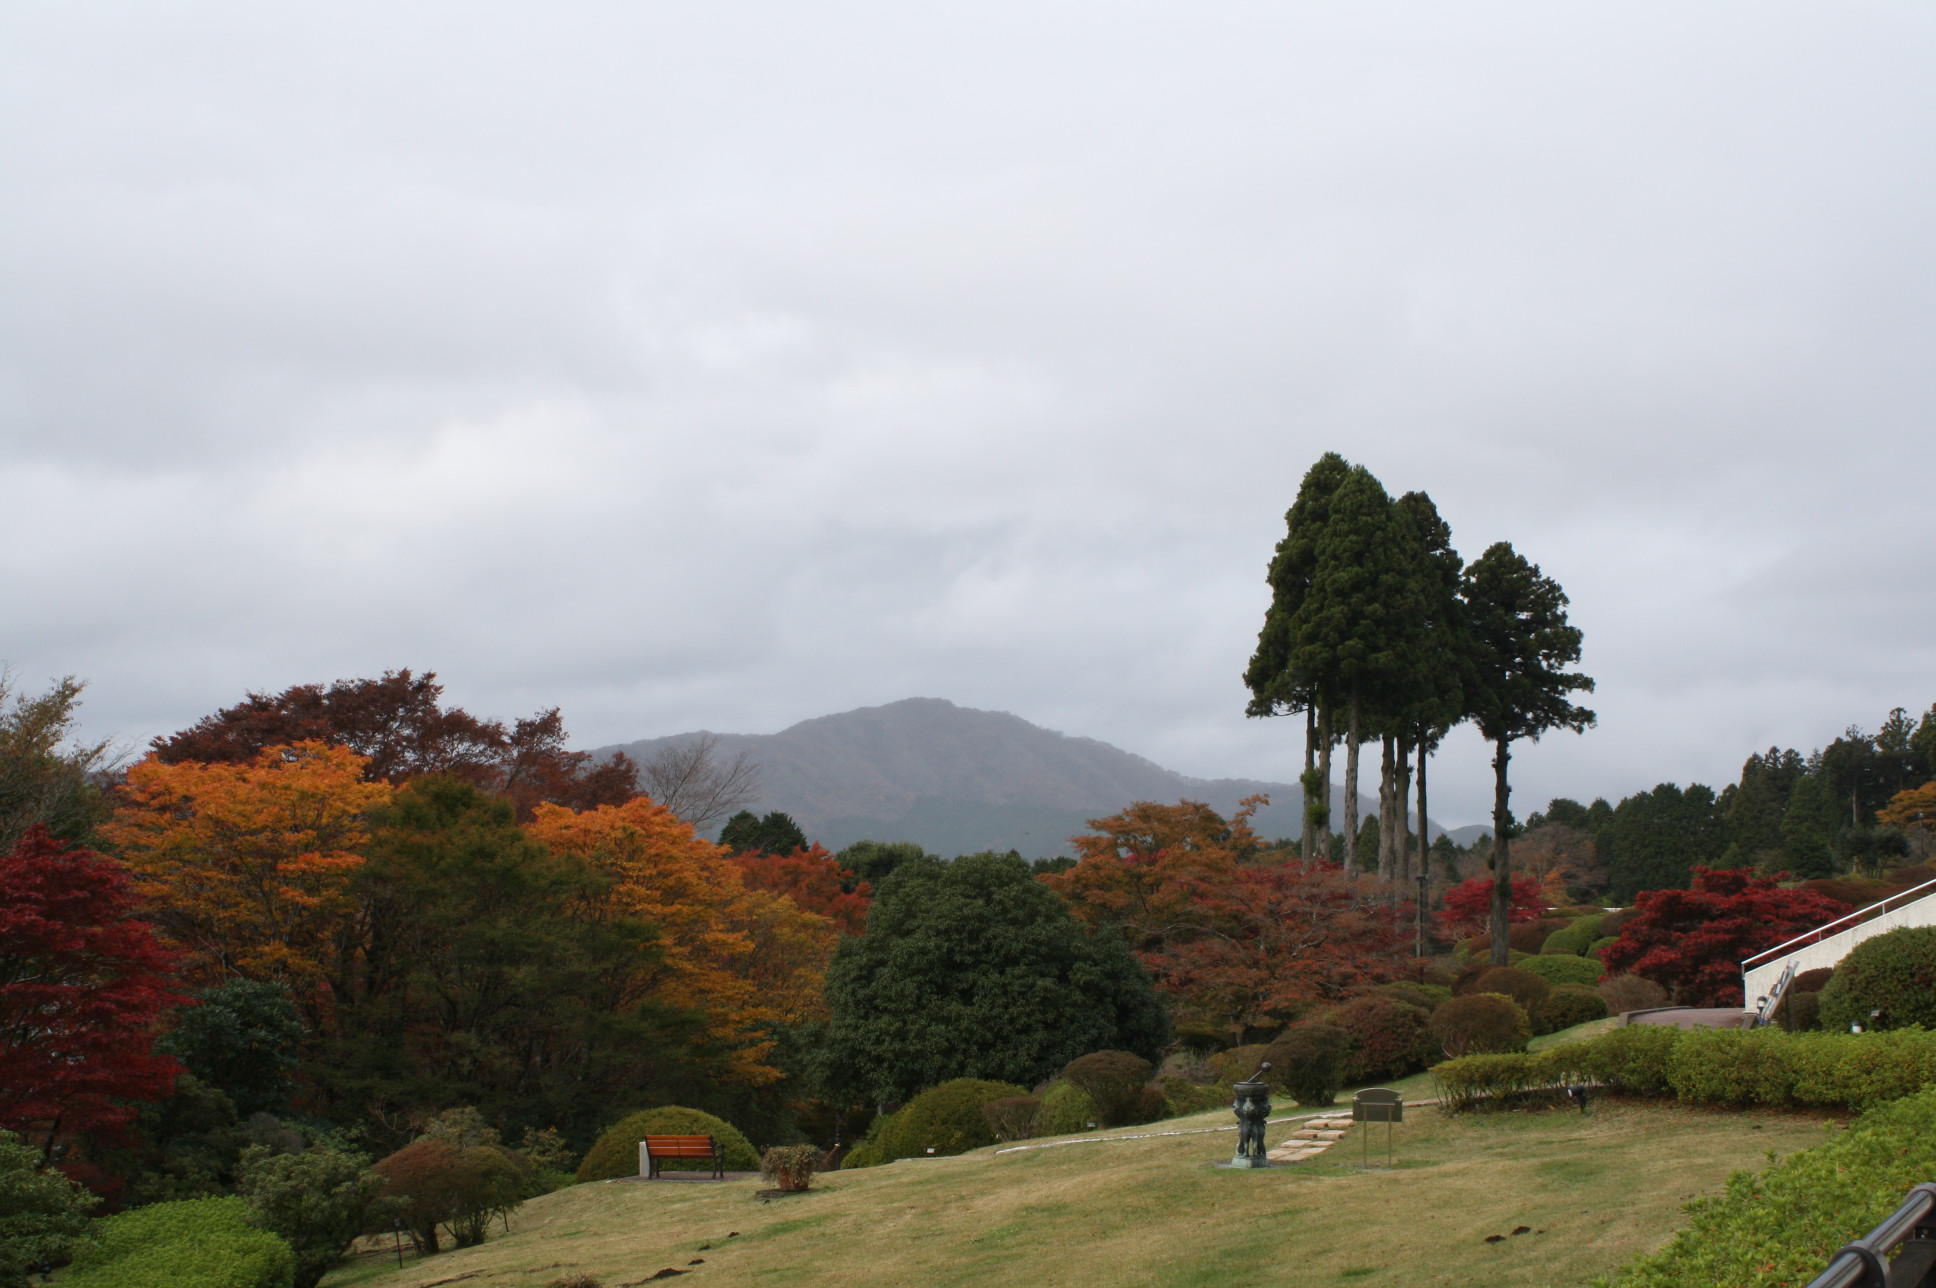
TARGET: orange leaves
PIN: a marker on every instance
(249, 866)
(811, 878)
(743, 958)
(1913, 808)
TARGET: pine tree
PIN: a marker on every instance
(1517, 688)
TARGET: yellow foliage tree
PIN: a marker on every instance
(249, 867)
(1913, 808)
(744, 959)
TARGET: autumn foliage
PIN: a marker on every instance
(250, 866)
(812, 879)
(1468, 905)
(1692, 942)
(1237, 935)
(82, 984)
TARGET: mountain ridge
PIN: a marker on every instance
(958, 779)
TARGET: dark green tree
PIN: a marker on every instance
(42, 1213)
(875, 861)
(244, 1040)
(1657, 838)
(319, 1201)
(1276, 686)
(1809, 827)
(1361, 629)
(975, 969)
(748, 833)
(1436, 698)
(1518, 686)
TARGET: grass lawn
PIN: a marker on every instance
(1592, 1191)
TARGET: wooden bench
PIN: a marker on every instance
(654, 1150)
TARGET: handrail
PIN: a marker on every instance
(1860, 1264)
(1860, 914)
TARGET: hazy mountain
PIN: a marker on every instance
(957, 780)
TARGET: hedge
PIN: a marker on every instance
(1575, 937)
(1065, 1111)
(946, 1119)
(1708, 1066)
(1782, 1225)
(1563, 968)
(192, 1243)
(1893, 974)
(617, 1152)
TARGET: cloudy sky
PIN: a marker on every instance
(721, 365)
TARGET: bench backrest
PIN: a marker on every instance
(679, 1146)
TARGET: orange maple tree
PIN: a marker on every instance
(249, 867)
(745, 959)
(1237, 934)
(812, 879)
(1915, 807)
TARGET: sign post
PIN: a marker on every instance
(1378, 1105)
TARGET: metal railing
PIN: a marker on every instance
(1862, 1265)
(1846, 921)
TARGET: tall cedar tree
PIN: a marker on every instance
(399, 726)
(45, 777)
(1692, 942)
(1276, 687)
(974, 969)
(82, 984)
(1517, 688)
(1437, 701)
(1361, 628)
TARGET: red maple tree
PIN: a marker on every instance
(812, 879)
(1468, 906)
(82, 982)
(1692, 942)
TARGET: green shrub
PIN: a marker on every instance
(1733, 1067)
(1779, 1226)
(946, 1119)
(1888, 982)
(191, 1243)
(1389, 1038)
(1237, 1064)
(1114, 1082)
(1560, 968)
(1427, 997)
(1012, 1117)
(790, 1167)
(1632, 1059)
(617, 1152)
(41, 1213)
(1600, 945)
(1567, 1005)
(1516, 982)
(1306, 1061)
(1575, 937)
(1812, 981)
(1481, 1023)
(1202, 1039)
(1181, 1096)
(1065, 1111)
(1799, 1012)
(319, 1201)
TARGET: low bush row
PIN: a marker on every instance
(190, 1243)
(1708, 1066)
(1781, 1226)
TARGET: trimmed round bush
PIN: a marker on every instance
(1389, 1037)
(1516, 982)
(1237, 1064)
(1575, 937)
(1630, 993)
(1012, 1117)
(1181, 1096)
(1888, 982)
(1799, 1012)
(1114, 1082)
(1812, 981)
(1306, 1062)
(1563, 968)
(190, 1243)
(1481, 1023)
(1600, 945)
(1065, 1111)
(1567, 1005)
(617, 1152)
(946, 1119)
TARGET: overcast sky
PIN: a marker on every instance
(720, 365)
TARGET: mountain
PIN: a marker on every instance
(956, 780)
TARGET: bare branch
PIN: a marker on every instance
(690, 778)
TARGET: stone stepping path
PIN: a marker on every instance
(1319, 1134)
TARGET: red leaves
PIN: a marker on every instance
(812, 879)
(1692, 942)
(81, 984)
(1468, 906)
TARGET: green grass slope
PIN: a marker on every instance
(1591, 1191)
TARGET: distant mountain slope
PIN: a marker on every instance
(956, 780)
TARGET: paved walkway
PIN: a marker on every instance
(1315, 1134)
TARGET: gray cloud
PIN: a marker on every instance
(727, 365)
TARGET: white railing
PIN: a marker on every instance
(1816, 935)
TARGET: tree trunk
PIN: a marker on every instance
(1424, 827)
(1401, 792)
(1387, 869)
(1501, 856)
(1351, 793)
(1324, 772)
(1308, 839)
